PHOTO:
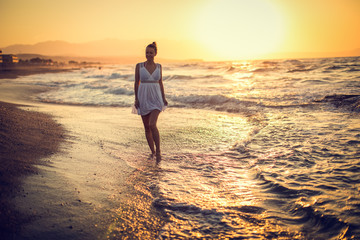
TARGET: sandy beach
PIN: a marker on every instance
(26, 137)
(50, 186)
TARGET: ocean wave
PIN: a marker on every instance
(96, 76)
(353, 65)
(293, 61)
(216, 102)
(68, 85)
(210, 99)
(272, 63)
(261, 70)
(211, 76)
(94, 87)
(313, 222)
(270, 186)
(335, 67)
(120, 91)
(314, 81)
(348, 67)
(300, 69)
(113, 75)
(191, 77)
(350, 102)
(353, 69)
(177, 77)
(316, 224)
(231, 69)
(190, 65)
(256, 68)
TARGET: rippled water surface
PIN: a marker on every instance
(256, 149)
(295, 177)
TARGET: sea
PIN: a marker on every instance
(259, 149)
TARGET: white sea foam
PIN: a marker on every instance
(221, 86)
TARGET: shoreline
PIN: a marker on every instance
(18, 71)
(52, 184)
(25, 138)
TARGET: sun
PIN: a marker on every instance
(239, 29)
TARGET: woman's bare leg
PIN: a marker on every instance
(148, 132)
(155, 132)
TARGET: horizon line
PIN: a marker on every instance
(267, 56)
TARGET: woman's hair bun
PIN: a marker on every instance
(153, 45)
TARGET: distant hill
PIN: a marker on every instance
(103, 60)
(109, 50)
(109, 47)
(123, 51)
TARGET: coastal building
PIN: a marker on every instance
(8, 59)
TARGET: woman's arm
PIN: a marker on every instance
(162, 87)
(136, 85)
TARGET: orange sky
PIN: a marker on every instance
(210, 29)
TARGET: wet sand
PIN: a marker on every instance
(26, 137)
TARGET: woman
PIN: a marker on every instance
(150, 97)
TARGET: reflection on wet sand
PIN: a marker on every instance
(137, 217)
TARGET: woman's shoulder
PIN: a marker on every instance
(140, 64)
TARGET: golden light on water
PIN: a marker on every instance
(248, 28)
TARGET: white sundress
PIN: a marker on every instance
(149, 93)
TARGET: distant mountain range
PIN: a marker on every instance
(115, 50)
(110, 49)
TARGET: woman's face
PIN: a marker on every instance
(150, 53)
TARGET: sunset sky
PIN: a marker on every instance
(224, 29)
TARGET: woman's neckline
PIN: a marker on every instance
(148, 70)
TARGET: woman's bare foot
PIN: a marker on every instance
(158, 156)
(151, 156)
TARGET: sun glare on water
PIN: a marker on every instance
(239, 29)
